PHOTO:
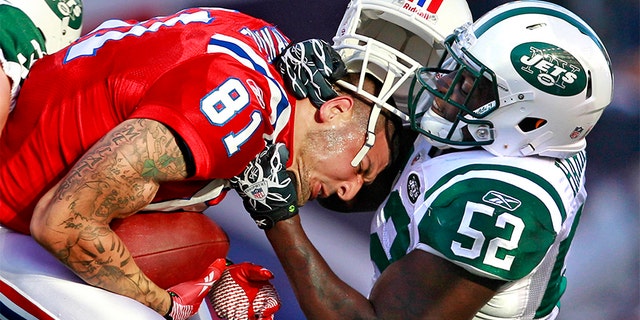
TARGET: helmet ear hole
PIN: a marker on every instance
(589, 84)
(530, 124)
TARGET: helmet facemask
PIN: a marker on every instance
(468, 128)
(385, 39)
(551, 80)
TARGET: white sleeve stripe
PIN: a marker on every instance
(513, 179)
(244, 54)
(240, 51)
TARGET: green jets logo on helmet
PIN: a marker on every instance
(70, 9)
(549, 68)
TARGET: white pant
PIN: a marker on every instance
(34, 285)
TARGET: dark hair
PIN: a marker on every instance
(400, 142)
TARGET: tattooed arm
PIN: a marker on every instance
(117, 177)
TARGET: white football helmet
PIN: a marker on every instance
(550, 72)
(391, 39)
(60, 21)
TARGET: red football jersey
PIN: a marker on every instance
(205, 73)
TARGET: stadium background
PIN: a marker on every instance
(603, 263)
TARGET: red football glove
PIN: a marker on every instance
(244, 293)
(187, 296)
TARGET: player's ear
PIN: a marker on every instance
(337, 107)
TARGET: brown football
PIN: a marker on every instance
(171, 248)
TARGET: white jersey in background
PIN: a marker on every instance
(504, 218)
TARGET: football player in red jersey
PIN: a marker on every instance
(158, 115)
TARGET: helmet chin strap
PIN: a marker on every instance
(371, 136)
(373, 119)
(533, 144)
(440, 127)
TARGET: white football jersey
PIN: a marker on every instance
(503, 218)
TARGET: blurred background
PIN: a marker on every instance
(603, 264)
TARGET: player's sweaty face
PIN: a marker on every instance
(324, 165)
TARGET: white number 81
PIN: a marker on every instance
(222, 104)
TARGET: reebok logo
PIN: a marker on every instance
(502, 200)
(549, 68)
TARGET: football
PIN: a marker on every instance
(171, 248)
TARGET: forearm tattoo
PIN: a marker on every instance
(114, 179)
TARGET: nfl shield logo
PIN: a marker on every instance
(576, 132)
(258, 191)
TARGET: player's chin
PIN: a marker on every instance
(304, 193)
(304, 196)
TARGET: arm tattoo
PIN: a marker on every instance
(117, 177)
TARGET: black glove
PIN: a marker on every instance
(309, 68)
(268, 191)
